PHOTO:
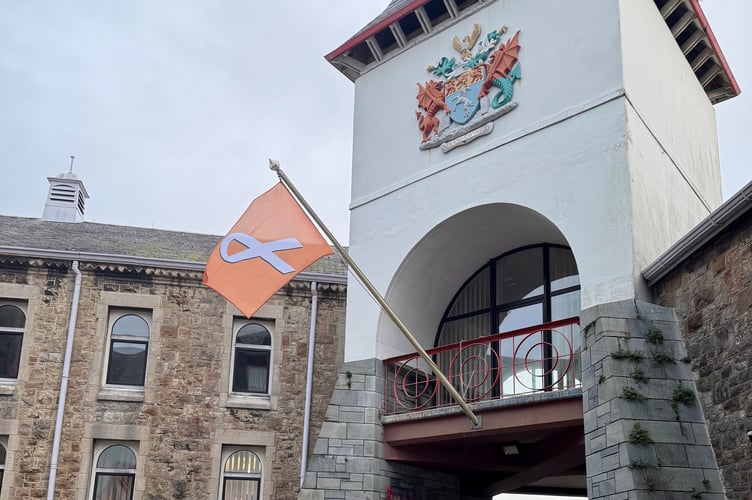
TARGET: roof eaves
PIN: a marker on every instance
(371, 30)
(143, 261)
(715, 45)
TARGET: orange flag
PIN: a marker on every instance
(268, 246)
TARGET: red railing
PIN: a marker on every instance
(541, 358)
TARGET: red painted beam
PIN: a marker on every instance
(502, 423)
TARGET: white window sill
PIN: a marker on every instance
(249, 401)
(7, 387)
(121, 394)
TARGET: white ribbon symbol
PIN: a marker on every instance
(254, 248)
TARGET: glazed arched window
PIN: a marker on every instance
(252, 348)
(2, 464)
(128, 350)
(115, 473)
(525, 287)
(241, 476)
(12, 323)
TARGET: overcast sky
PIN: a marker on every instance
(172, 107)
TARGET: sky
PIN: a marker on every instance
(172, 108)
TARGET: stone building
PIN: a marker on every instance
(706, 277)
(171, 393)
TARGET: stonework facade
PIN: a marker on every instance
(184, 420)
(644, 430)
(711, 292)
(348, 458)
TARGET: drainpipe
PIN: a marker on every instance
(64, 382)
(309, 380)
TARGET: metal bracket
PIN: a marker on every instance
(477, 426)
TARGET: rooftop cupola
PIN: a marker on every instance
(66, 199)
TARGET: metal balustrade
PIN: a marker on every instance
(542, 358)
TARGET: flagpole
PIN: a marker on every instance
(274, 165)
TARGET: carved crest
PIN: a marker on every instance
(472, 93)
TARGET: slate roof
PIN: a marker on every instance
(93, 238)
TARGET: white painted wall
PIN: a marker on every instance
(569, 58)
(576, 162)
(673, 146)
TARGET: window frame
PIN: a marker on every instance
(227, 452)
(113, 315)
(496, 307)
(239, 324)
(4, 445)
(100, 446)
(24, 307)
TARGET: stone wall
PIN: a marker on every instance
(712, 294)
(645, 437)
(348, 459)
(184, 416)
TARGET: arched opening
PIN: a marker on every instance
(505, 327)
(436, 268)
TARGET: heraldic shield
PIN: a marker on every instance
(461, 94)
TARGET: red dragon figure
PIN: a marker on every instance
(431, 100)
(504, 59)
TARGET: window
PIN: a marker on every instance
(12, 322)
(523, 288)
(3, 453)
(128, 348)
(252, 352)
(241, 475)
(114, 472)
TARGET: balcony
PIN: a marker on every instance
(540, 359)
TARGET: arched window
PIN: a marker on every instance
(523, 288)
(128, 351)
(2, 464)
(252, 349)
(241, 476)
(12, 322)
(115, 473)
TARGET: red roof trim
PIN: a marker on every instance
(369, 32)
(715, 45)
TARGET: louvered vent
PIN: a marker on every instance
(66, 200)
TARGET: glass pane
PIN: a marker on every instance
(243, 461)
(251, 372)
(12, 317)
(563, 269)
(475, 296)
(254, 334)
(565, 306)
(113, 486)
(469, 328)
(523, 363)
(522, 317)
(241, 489)
(127, 363)
(2, 455)
(131, 325)
(10, 354)
(117, 457)
(519, 276)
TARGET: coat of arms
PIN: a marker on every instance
(471, 93)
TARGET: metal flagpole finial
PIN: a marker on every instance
(71, 163)
(274, 165)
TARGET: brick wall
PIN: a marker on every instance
(184, 416)
(712, 295)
